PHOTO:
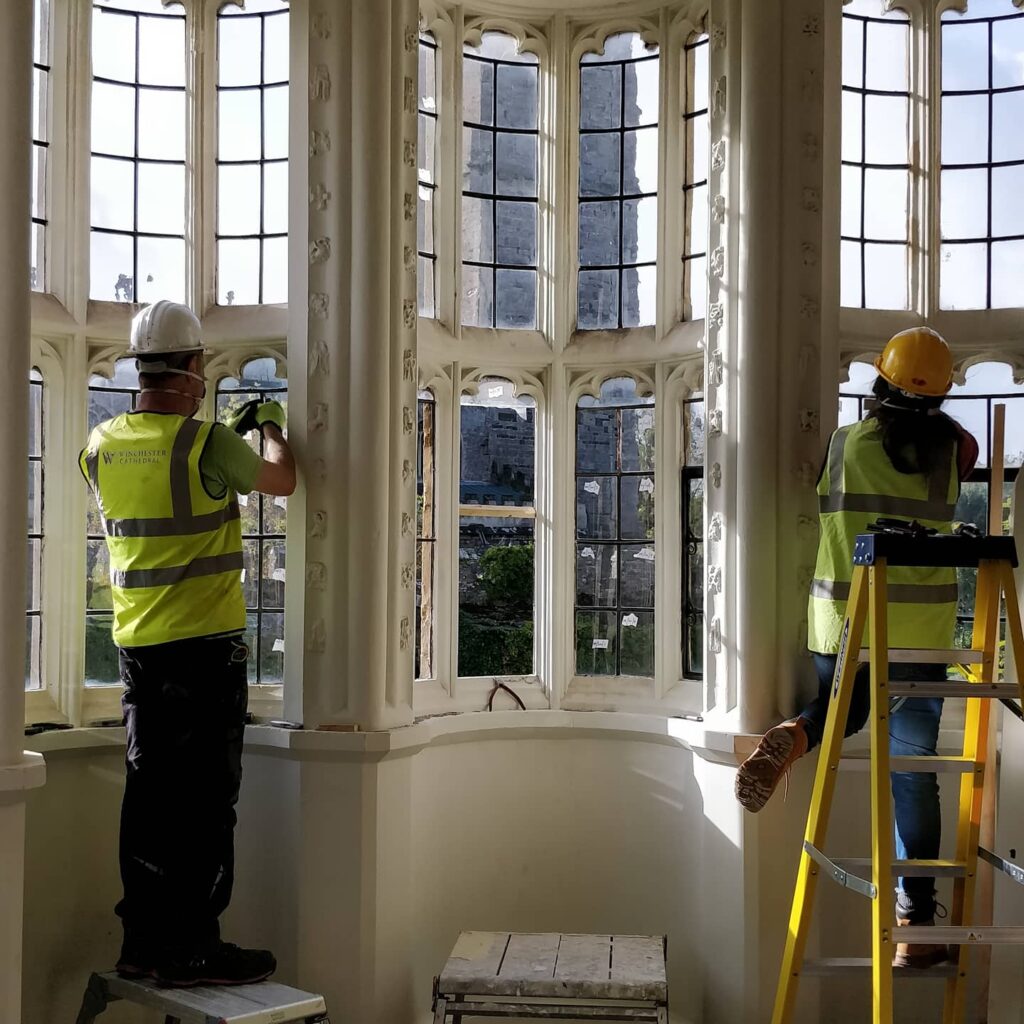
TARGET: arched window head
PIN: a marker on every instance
(618, 185)
(615, 547)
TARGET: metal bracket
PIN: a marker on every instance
(844, 878)
(1006, 866)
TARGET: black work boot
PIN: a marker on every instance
(138, 958)
(221, 964)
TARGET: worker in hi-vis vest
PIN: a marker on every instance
(905, 460)
(167, 488)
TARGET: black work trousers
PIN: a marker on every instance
(184, 707)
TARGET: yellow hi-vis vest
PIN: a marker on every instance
(858, 484)
(175, 550)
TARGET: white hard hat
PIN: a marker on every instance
(164, 328)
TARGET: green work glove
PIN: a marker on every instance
(243, 419)
(271, 412)
(254, 415)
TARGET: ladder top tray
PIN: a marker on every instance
(627, 967)
(940, 550)
(264, 1003)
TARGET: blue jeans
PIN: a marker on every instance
(914, 732)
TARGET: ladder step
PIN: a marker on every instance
(982, 935)
(944, 763)
(910, 655)
(952, 688)
(906, 868)
(830, 965)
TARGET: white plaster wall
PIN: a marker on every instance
(360, 873)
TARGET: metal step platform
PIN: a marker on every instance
(263, 1003)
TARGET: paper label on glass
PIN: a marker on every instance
(243, 575)
(646, 554)
(278, 574)
(279, 645)
(243, 500)
(280, 501)
(495, 392)
(629, 620)
(599, 645)
(592, 487)
(647, 485)
(587, 553)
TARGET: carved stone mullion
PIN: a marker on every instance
(801, 391)
(717, 333)
(326, 695)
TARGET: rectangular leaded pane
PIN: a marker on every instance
(427, 140)
(40, 141)
(252, 153)
(982, 157)
(618, 162)
(496, 596)
(615, 546)
(137, 250)
(426, 518)
(263, 521)
(500, 145)
(875, 197)
(695, 175)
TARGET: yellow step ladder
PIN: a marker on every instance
(995, 558)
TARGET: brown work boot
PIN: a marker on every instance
(918, 954)
(758, 776)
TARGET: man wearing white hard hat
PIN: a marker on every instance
(167, 488)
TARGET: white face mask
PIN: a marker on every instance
(153, 368)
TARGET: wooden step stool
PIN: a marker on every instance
(264, 1003)
(547, 976)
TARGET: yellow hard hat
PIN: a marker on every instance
(917, 361)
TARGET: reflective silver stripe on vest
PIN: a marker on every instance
(212, 565)
(175, 527)
(936, 506)
(181, 491)
(898, 593)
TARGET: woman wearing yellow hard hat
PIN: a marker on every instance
(905, 460)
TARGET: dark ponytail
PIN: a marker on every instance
(916, 436)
